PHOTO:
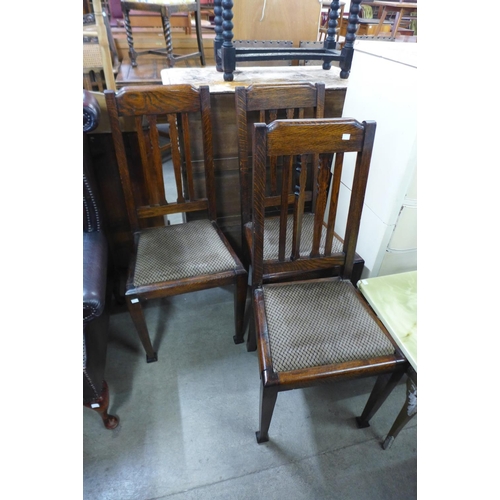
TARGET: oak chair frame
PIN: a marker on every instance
(290, 101)
(296, 138)
(176, 102)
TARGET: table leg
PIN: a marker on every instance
(408, 411)
(218, 40)
(199, 38)
(228, 52)
(165, 21)
(130, 40)
(350, 38)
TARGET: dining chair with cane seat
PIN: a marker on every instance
(310, 331)
(266, 103)
(175, 258)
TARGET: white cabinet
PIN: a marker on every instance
(383, 87)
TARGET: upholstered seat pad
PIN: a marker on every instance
(272, 234)
(318, 323)
(180, 251)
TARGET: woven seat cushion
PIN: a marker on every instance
(320, 323)
(180, 251)
(272, 233)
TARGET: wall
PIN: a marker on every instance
(382, 87)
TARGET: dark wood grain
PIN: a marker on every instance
(324, 139)
(177, 105)
(300, 101)
(226, 168)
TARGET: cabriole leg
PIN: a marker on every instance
(101, 407)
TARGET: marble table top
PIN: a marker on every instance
(394, 299)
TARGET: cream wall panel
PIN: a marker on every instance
(398, 262)
(404, 236)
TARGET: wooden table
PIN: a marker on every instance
(399, 7)
(394, 299)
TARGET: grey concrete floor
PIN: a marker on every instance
(188, 421)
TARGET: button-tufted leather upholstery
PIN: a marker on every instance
(95, 260)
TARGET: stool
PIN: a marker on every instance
(166, 8)
(227, 55)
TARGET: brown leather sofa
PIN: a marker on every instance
(95, 290)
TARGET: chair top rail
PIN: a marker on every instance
(156, 99)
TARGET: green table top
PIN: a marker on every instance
(394, 299)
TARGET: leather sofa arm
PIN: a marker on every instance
(91, 112)
(94, 274)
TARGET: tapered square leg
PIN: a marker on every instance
(137, 315)
(268, 396)
(384, 385)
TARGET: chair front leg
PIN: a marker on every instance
(268, 396)
(383, 387)
(137, 315)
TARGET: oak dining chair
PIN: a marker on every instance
(266, 103)
(170, 259)
(311, 331)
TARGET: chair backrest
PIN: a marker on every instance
(266, 103)
(304, 145)
(187, 111)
